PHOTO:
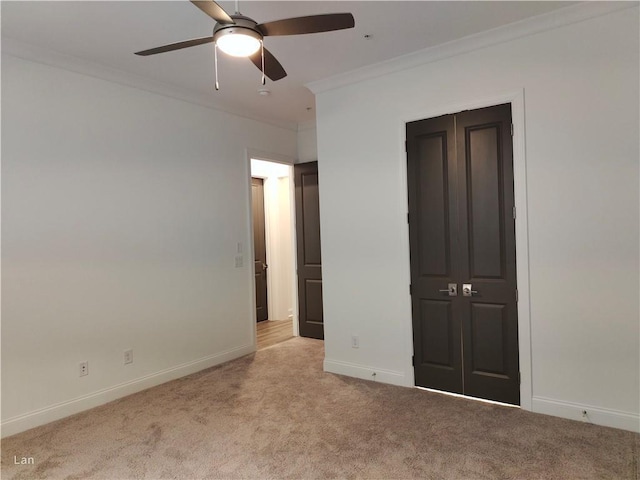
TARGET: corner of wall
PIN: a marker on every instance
(49, 414)
(307, 142)
(366, 372)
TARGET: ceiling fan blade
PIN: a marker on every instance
(311, 24)
(176, 46)
(272, 67)
(214, 10)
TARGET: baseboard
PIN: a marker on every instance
(598, 416)
(49, 414)
(365, 372)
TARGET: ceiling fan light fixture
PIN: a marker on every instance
(238, 42)
(241, 36)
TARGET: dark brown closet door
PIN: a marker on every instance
(462, 232)
(433, 217)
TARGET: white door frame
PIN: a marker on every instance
(284, 160)
(516, 99)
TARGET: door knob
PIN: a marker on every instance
(264, 266)
(452, 290)
(467, 290)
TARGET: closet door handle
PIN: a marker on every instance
(452, 290)
(467, 290)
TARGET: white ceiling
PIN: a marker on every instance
(108, 32)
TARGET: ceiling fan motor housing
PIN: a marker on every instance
(243, 25)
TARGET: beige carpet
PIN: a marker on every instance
(275, 414)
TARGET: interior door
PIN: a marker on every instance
(260, 248)
(433, 215)
(310, 312)
(462, 240)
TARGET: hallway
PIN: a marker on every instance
(271, 332)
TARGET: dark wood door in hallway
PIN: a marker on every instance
(311, 316)
(260, 248)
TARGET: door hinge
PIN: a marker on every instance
(410, 289)
(413, 360)
(514, 212)
(408, 218)
(516, 295)
(512, 129)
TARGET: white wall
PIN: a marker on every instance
(581, 100)
(121, 215)
(279, 235)
(307, 143)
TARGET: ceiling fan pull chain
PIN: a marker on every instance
(264, 81)
(215, 63)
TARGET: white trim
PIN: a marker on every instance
(516, 98)
(365, 372)
(249, 252)
(598, 416)
(25, 51)
(268, 157)
(294, 246)
(49, 414)
(541, 23)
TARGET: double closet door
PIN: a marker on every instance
(462, 240)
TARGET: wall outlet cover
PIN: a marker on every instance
(128, 356)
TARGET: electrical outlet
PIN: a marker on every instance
(84, 368)
(128, 356)
(355, 341)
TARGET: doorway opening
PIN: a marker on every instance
(273, 251)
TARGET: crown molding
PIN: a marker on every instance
(540, 23)
(52, 58)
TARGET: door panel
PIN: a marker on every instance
(313, 301)
(437, 333)
(483, 186)
(487, 345)
(310, 314)
(310, 200)
(438, 364)
(460, 181)
(432, 210)
(487, 248)
(433, 205)
(260, 248)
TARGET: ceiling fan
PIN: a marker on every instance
(241, 36)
